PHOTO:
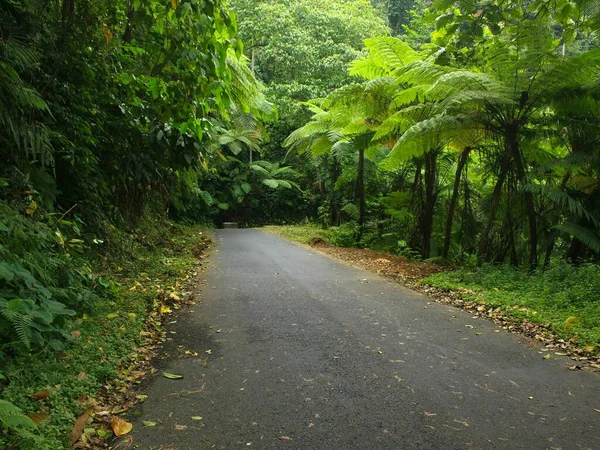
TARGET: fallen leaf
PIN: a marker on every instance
(112, 315)
(172, 376)
(165, 309)
(76, 333)
(180, 427)
(31, 209)
(38, 417)
(120, 426)
(311, 425)
(149, 424)
(196, 418)
(285, 438)
(174, 296)
(547, 356)
(40, 395)
(82, 376)
(78, 427)
(208, 352)
(597, 410)
(141, 397)
(570, 321)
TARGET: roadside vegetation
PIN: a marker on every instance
(447, 132)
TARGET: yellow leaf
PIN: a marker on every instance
(571, 321)
(120, 426)
(205, 165)
(174, 296)
(112, 315)
(32, 208)
(589, 348)
(132, 315)
(174, 4)
(165, 309)
(221, 155)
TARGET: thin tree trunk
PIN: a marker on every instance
(361, 192)
(513, 143)
(484, 241)
(462, 161)
(334, 204)
(430, 200)
(128, 35)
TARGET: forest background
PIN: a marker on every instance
(462, 133)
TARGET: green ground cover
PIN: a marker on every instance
(55, 387)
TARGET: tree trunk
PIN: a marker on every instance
(128, 35)
(360, 185)
(462, 161)
(513, 143)
(484, 241)
(430, 200)
(334, 203)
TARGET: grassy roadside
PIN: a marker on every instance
(563, 301)
(144, 276)
(564, 298)
(300, 233)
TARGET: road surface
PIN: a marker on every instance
(297, 351)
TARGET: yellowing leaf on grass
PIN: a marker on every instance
(120, 426)
(38, 417)
(174, 296)
(149, 424)
(172, 376)
(31, 209)
(165, 309)
(570, 321)
(78, 427)
(132, 315)
(589, 348)
(112, 315)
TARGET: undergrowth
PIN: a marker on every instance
(301, 233)
(566, 297)
(53, 380)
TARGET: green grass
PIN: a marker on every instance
(157, 258)
(566, 297)
(300, 233)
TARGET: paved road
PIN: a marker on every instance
(308, 353)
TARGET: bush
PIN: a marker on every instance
(41, 280)
(344, 236)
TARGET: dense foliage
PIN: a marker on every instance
(481, 143)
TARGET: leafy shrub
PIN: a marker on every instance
(41, 279)
(344, 236)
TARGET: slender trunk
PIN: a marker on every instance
(128, 35)
(513, 144)
(462, 161)
(430, 200)
(334, 206)
(361, 191)
(484, 241)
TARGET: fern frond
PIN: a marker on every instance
(12, 417)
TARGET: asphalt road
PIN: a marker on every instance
(309, 353)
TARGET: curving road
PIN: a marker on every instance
(308, 353)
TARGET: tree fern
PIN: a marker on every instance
(13, 418)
